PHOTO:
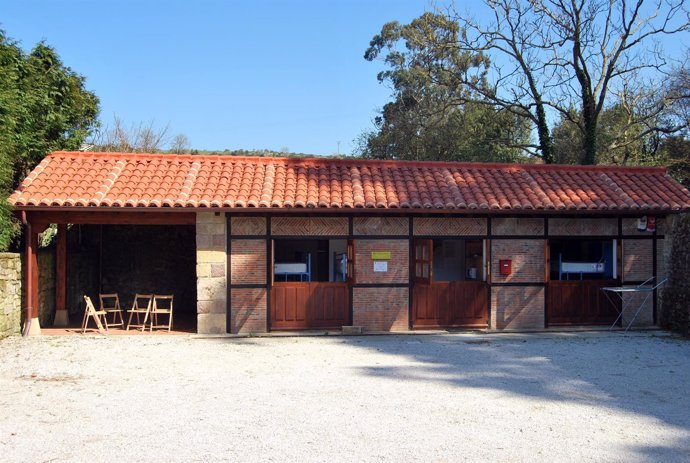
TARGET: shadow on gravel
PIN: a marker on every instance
(640, 375)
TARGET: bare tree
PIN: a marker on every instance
(567, 59)
(144, 137)
(180, 144)
(605, 46)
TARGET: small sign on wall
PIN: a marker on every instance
(380, 255)
(646, 223)
(380, 266)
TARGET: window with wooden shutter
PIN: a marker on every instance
(351, 262)
(423, 261)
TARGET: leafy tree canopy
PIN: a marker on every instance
(44, 106)
(431, 117)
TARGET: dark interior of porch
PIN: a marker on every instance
(123, 259)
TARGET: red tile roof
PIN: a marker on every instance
(79, 179)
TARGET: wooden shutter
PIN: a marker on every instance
(423, 257)
(351, 262)
(271, 260)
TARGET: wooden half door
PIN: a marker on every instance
(426, 309)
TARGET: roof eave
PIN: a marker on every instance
(359, 211)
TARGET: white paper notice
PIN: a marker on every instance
(380, 266)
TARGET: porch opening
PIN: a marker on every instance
(311, 280)
(579, 268)
(449, 283)
(129, 260)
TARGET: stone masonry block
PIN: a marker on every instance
(211, 323)
(209, 217)
(211, 289)
(211, 228)
(210, 257)
(211, 307)
(203, 270)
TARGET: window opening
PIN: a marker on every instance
(583, 259)
(310, 260)
(458, 260)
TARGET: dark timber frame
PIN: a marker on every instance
(488, 238)
(36, 220)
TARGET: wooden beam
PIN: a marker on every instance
(112, 218)
(31, 276)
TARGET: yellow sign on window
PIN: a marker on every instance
(380, 255)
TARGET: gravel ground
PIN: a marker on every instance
(570, 397)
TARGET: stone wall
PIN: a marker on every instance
(46, 285)
(675, 309)
(10, 294)
(211, 244)
(150, 259)
(83, 251)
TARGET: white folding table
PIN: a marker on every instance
(646, 287)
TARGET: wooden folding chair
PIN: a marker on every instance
(162, 305)
(110, 304)
(140, 306)
(91, 312)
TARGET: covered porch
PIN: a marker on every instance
(107, 252)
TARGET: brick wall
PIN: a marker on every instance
(248, 310)
(517, 226)
(632, 302)
(380, 309)
(10, 294)
(449, 226)
(380, 226)
(398, 265)
(661, 266)
(248, 226)
(517, 307)
(309, 226)
(211, 278)
(637, 260)
(248, 261)
(583, 227)
(629, 226)
(527, 260)
(638, 266)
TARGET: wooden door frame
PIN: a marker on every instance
(428, 281)
(617, 245)
(350, 281)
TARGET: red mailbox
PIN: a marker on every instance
(505, 266)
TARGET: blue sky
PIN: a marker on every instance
(229, 74)
(251, 75)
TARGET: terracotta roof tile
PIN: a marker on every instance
(73, 179)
